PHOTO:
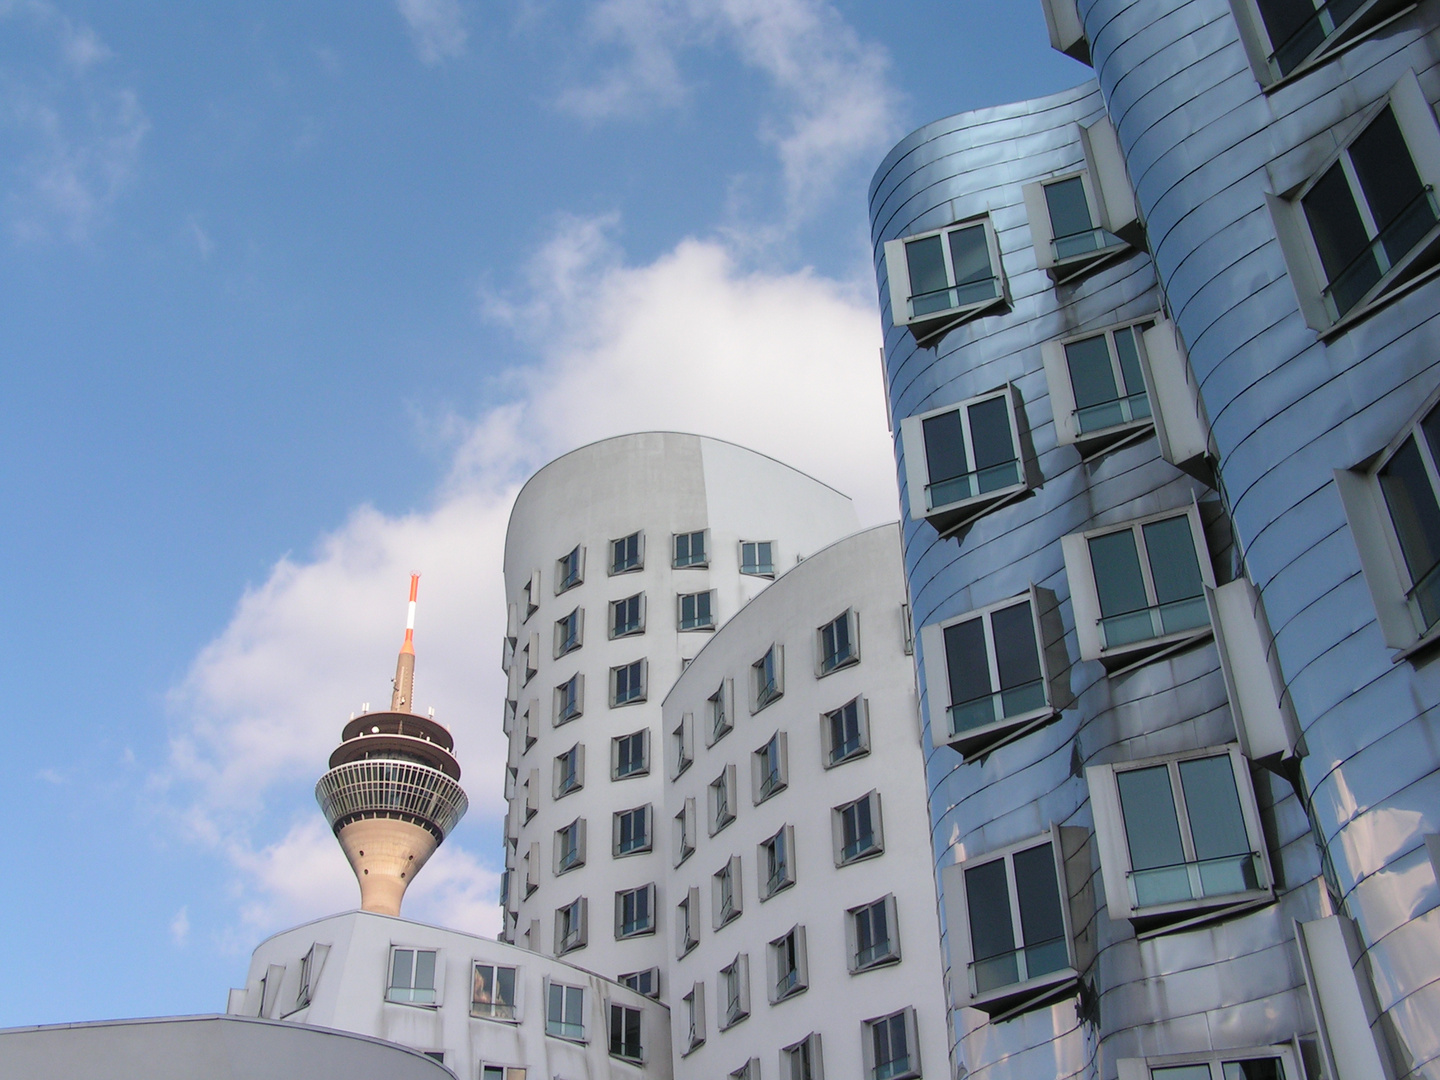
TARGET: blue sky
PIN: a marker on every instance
(292, 298)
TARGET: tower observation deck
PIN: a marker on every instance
(392, 793)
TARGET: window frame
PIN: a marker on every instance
(691, 562)
(638, 1057)
(653, 921)
(780, 770)
(1420, 132)
(643, 768)
(687, 923)
(810, 1045)
(682, 745)
(568, 707)
(1085, 597)
(694, 1003)
(912, 1045)
(765, 692)
(985, 738)
(577, 915)
(530, 595)
(680, 623)
(800, 982)
(876, 847)
(736, 1007)
(950, 517)
(631, 628)
(576, 772)
(721, 709)
(551, 1023)
(516, 992)
(1112, 840)
(631, 980)
(720, 812)
(569, 632)
(827, 734)
(766, 881)
(639, 847)
(566, 578)
(851, 619)
(756, 568)
(932, 324)
(1139, 1068)
(721, 914)
(1261, 50)
(636, 696)
(1009, 998)
(684, 831)
(569, 841)
(1067, 268)
(614, 566)
(437, 977)
(854, 962)
(749, 1071)
(1060, 383)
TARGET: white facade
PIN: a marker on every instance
(449, 994)
(769, 849)
(570, 855)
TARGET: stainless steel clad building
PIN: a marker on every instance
(1161, 359)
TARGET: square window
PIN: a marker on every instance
(632, 831)
(725, 892)
(845, 732)
(570, 569)
(873, 934)
(492, 992)
(570, 771)
(963, 460)
(838, 643)
(802, 1060)
(687, 922)
(685, 832)
(722, 799)
(857, 830)
(1139, 588)
(1011, 921)
(630, 755)
(787, 965)
(569, 699)
(627, 616)
(776, 856)
(697, 611)
(690, 550)
(645, 982)
(734, 992)
(757, 558)
(1068, 227)
(694, 1005)
(635, 912)
(627, 553)
(682, 745)
(769, 768)
(1285, 37)
(625, 1033)
(942, 278)
(891, 1047)
(627, 684)
(1179, 837)
(1368, 219)
(565, 1011)
(1098, 385)
(767, 678)
(986, 670)
(568, 632)
(570, 926)
(412, 976)
(720, 709)
(570, 846)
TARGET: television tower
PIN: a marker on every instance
(392, 794)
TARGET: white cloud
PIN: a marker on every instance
(836, 109)
(75, 141)
(437, 28)
(180, 925)
(784, 363)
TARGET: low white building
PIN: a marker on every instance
(803, 936)
(486, 1010)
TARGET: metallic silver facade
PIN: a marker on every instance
(1203, 143)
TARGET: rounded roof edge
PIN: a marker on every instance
(974, 118)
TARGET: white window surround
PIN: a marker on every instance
(569, 699)
(496, 992)
(1264, 716)
(845, 732)
(416, 976)
(641, 919)
(564, 1009)
(569, 847)
(1004, 709)
(532, 867)
(1067, 32)
(837, 643)
(627, 554)
(630, 755)
(569, 632)
(734, 1005)
(770, 768)
(767, 679)
(749, 1071)
(626, 1027)
(687, 922)
(1277, 62)
(532, 657)
(898, 1035)
(572, 926)
(949, 295)
(627, 616)
(629, 683)
(775, 862)
(530, 594)
(682, 745)
(857, 830)
(757, 558)
(1112, 220)
(786, 967)
(569, 771)
(1173, 623)
(720, 712)
(531, 724)
(632, 831)
(645, 982)
(973, 487)
(532, 794)
(694, 1003)
(684, 555)
(866, 948)
(1326, 313)
(1341, 1000)
(1157, 1067)
(1405, 608)
(570, 569)
(803, 1060)
(684, 833)
(695, 611)
(1002, 984)
(721, 797)
(725, 893)
(1198, 885)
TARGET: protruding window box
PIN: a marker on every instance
(942, 278)
(1264, 717)
(1067, 32)
(1082, 220)
(986, 676)
(964, 460)
(1285, 38)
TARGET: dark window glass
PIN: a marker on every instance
(1074, 232)
(1017, 659)
(929, 289)
(994, 451)
(945, 457)
(1340, 238)
(1254, 1069)
(970, 256)
(1152, 830)
(1042, 924)
(992, 934)
(1217, 826)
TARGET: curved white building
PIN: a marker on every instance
(621, 559)
(803, 934)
